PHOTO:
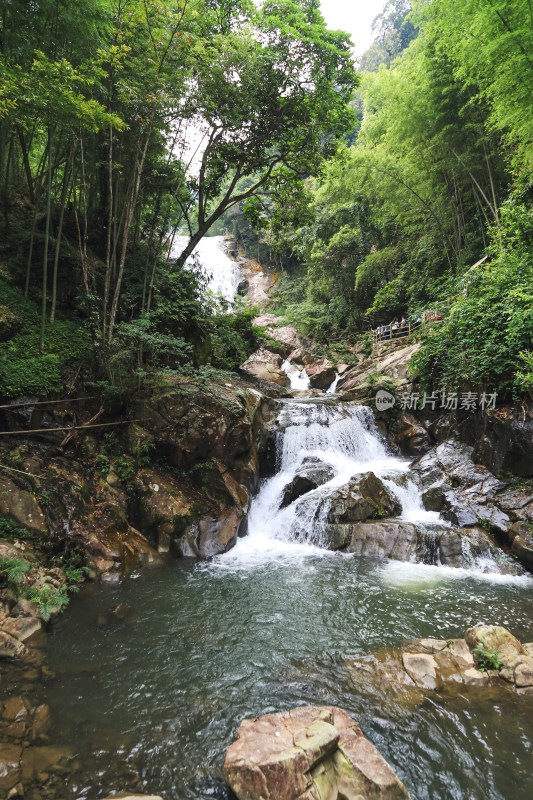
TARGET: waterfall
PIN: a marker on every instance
(223, 274)
(331, 443)
(298, 376)
(333, 388)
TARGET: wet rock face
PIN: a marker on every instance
(362, 497)
(321, 373)
(411, 437)
(396, 540)
(383, 539)
(316, 753)
(310, 475)
(506, 441)
(468, 494)
(266, 365)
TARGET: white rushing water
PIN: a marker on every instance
(333, 388)
(223, 274)
(346, 443)
(298, 376)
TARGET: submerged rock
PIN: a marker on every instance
(309, 753)
(130, 796)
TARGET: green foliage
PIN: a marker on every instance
(487, 659)
(125, 469)
(12, 571)
(524, 376)
(10, 530)
(489, 327)
(233, 337)
(50, 599)
(23, 369)
(103, 463)
(141, 453)
(490, 45)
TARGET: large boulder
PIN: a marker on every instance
(161, 508)
(522, 548)
(380, 539)
(21, 507)
(410, 436)
(192, 424)
(211, 536)
(516, 663)
(266, 365)
(464, 492)
(312, 473)
(299, 356)
(309, 753)
(362, 497)
(384, 539)
(321, 373)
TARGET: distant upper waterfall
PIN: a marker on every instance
(223, 274)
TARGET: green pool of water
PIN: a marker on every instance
(151, 701)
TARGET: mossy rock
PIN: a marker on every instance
(9, 324)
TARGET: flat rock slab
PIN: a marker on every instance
(422, 668)
(309, 753)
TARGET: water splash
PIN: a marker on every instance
(299, 378)
(333, 388)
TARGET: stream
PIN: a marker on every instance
(151, 700)
(152, 675)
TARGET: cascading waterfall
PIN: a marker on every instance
(343, 441)
(333, 388)
(223, 274)
(299, 378)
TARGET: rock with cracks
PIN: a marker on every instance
(309, 753)
(363, 497)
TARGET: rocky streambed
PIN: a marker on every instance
(323, 550)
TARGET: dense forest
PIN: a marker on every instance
(382, 190)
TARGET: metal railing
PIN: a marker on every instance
(405, 328)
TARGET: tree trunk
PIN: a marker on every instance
(46, 237)
(58, 240)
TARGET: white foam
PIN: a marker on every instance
(332, 389)
(408, 575)
(298, 376)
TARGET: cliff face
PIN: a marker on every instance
(177, 480)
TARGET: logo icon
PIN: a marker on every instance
(384, 400)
